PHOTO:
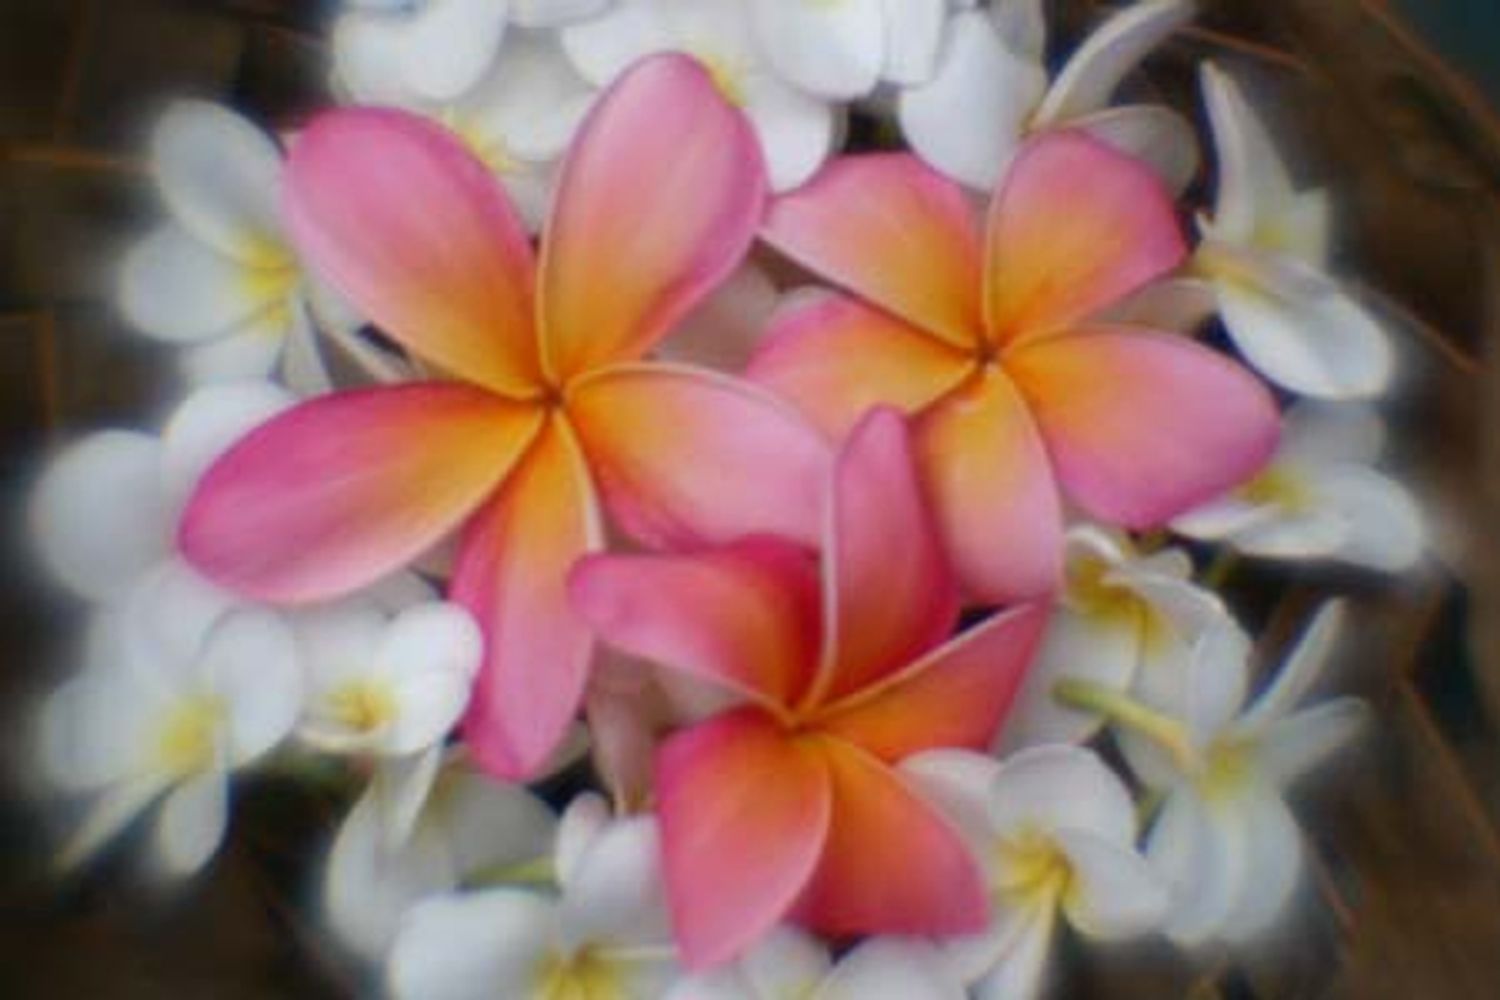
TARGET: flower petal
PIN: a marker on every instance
(1075, 227)
(1303, 666)
(892, 969)
(992, 489)
(915, 31)
(615, 893)
(1253, 184)
(446, 45)
(797, 132)
(1143, 426)
(512, 576)
(472, 946)
(744, 615)
(397, 214)
(622, 262)
(553, 13)
(892, 230)
(1102, 650)
(207, 423)
(1297, 743)
(832, 51)
(958, 782)
(1058, 787)
(1383, 526)
(685, 456)
(744, 815)
(967, 120)
(1114, 894)
(727, 327)
(431, 653)
(1096, 68)
(1201, 854)
(1154, 134)
(250, 660)
(176, 288)
(1273, 866)
(891, 863)
(955, 696)
(1022, 972)
(191, 824)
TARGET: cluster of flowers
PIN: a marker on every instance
(740, 554)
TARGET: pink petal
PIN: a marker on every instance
(685, 456)
(891, 229)
(511, 574)
(834, 357)
(744, 812)
(955, 696)
(657, 203)
(744, 615)
(1075, 227)
(1142, 426)
(992, 490)
(884, 611)
(397, 213)
(890, 864)
(335, 493)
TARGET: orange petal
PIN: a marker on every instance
(744, 812)
(657, 202)
(511, 574)
(889, 228)
(835, 357)
(1075, 227)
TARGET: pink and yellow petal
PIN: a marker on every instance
(341, 490)
(399, 215)
(511, 574)
(657, 203)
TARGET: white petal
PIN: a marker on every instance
(1178, 304)
(1296, 744)
(176, 287)
(1061, 787)
(1301, 670)
(1217, 679)
(601, 48)
(582, 822)
(206, 423)
(1316, 432)
(1021, 25)
(1092, 73)
(1022, 973)
(975, 956)
(1384, 526)
(173, 609)
(1299, 329)
(337, 642)
(91, 730)
(726, 328)
(1093, 541)
(1276, 532)
(99, 514)
(530, 105)
(219, 175)
(112, 813)
(615, 893)
(487, 823)
(401, 786)
(1203, 861)
(248, 352)
(191, 824)
(1157, 136)
(367, 60)
(1114, 894)
(1102, 650)
(530, 188)
(885, 968)
(833, 51)
(553, 13)
(1273, 846)
(797, 132)
(968, 119)
(914, 32)
(787, 962)
(302, 367)
(472, 946)
(251, 660)
(959, 783)
(449, 44)
(1253, 182)
(429, 654)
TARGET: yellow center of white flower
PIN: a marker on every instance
(1093, 594)
(491, 150)
(188, 737)
(583, 975)
(362, 705)
(1032, 869)
(1227, 766)
(727, 74)
(1278, 486)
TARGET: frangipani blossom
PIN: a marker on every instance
(787, 806)
(796, 130)
(990, 90)
(603, 936)
(1266, 251)
(1319, 497)
(992, 343)
(840, 51)
(221, 277)
(547, 403)
(1225, 840)
(1056, 829)
(1122, 620)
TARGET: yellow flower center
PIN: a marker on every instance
(1227, 766)
(362, 705)
(1032, 869)
(1092, 593)
(728, 76)
(584, 975)
(1277, 486)
(490, 150)
(187, 741)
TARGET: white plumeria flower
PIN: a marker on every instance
(421, 829)
(436, 50)
(1055, 830)
(390, 686)
(839, 51)
(1266, 251)
(603, 935)
(1224, 839)
(990, 89)
(149, 718)
(1122, 620)
(221, 277)
(1319, 497)
(789, 964)
(797, 130)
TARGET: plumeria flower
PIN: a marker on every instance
(841, 51)
(990, 90)
(1319, 498)
(423, 827)
(603, 935)
(992, 344)
(1225, 840)
(1123, 619)
(220, 277)
(436, 50)
(787, 805)
(796, 130)
(789, 964)
(149, 719)
(1265, 252)
(1056, 829)
(547, 400)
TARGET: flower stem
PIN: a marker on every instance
(1121, 709)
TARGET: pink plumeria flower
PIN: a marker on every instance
(787, 805)
(992, 343)
(548, 407)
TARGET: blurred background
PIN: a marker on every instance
(1393, 102)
